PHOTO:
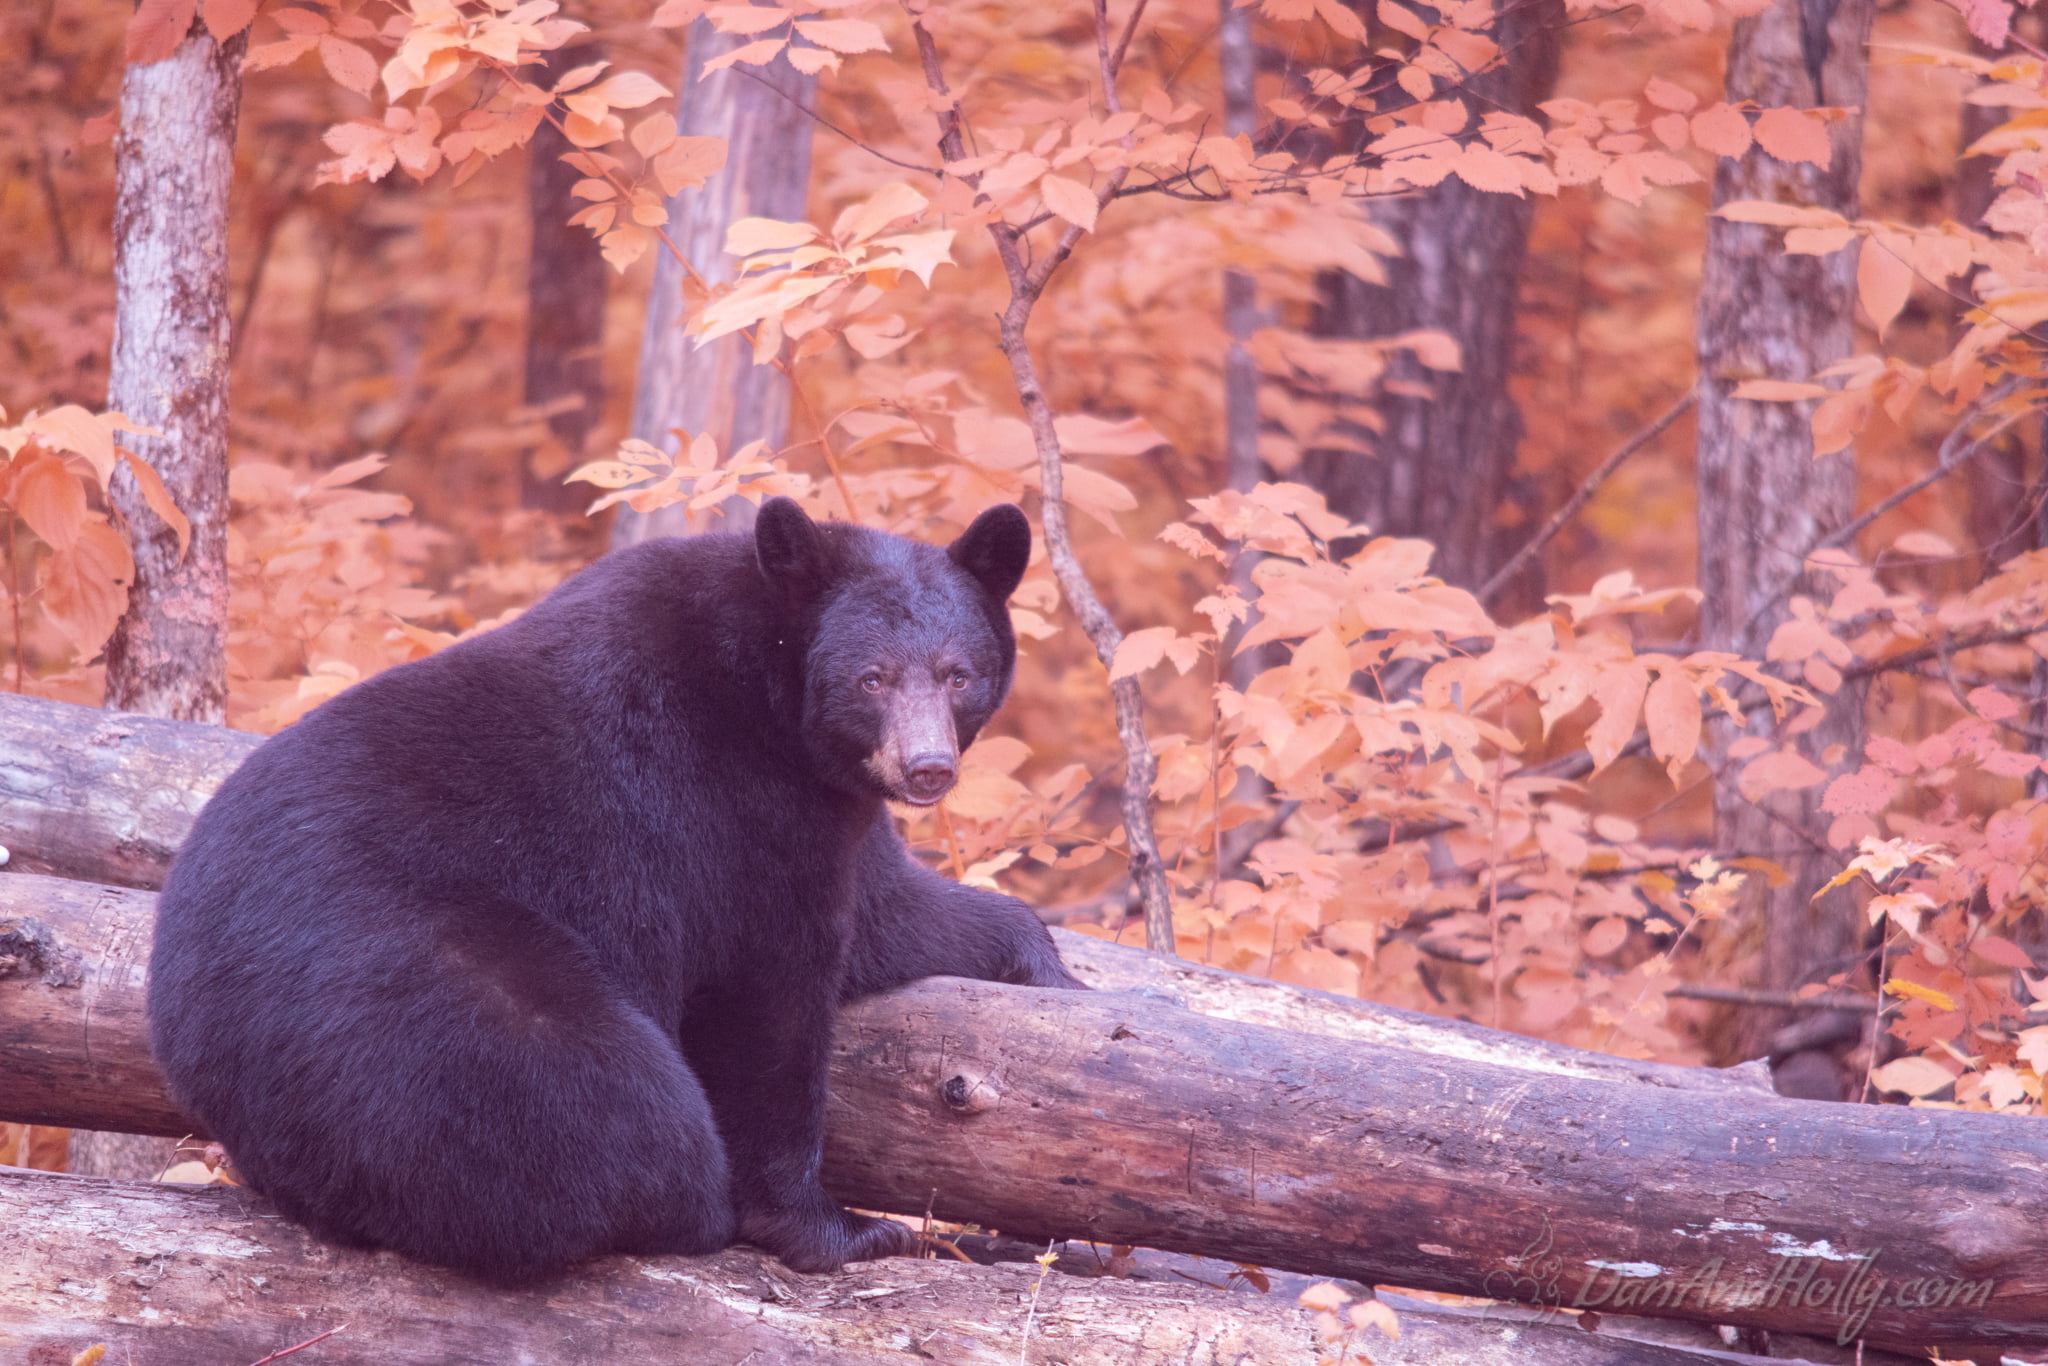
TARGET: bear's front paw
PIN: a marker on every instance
(826, 1237)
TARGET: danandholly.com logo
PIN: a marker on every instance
(1846, 1287)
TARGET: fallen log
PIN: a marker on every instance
(182, 1276)
(108, 797)
(1122, 1119)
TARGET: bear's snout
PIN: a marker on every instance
(928, 777)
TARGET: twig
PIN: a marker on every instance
(1774, 1000)
(1116, 63)
(1953, 455)
(300, 1347)
(1929, 652)
(1045, 1260)
(815, 117)
(1952, 458)
(1584, 493)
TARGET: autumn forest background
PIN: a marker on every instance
(1606, 442)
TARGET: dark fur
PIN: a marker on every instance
(530, 951)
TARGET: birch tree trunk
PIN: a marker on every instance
(1763, 497)
(1443, 463)
(174, 162)
(763, 112)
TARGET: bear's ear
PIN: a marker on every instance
(789, 550)
(995, 549)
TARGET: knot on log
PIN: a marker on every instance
(29, 948)
(969, 1093)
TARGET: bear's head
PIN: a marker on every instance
(907, 648)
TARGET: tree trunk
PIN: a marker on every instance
(174, 163)
(565, 289)
(1763, 497)
(174, 160)
(1117, 1119)
(1442, 464)
(109, 799)
(763, 112)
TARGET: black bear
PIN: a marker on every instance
(530, 950)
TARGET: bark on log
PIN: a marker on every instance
(101, 795)
(1120, 1119)
(179, 1276)
(106, 797)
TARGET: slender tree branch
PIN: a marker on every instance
(1953, 456)
(1583, 494)
(1027, 285)
(1116, 63)
(815, 117)
(1774, 1000)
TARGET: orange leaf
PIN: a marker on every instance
(1838, 418)
(750, 235)
(627, 90)
(753, 54)
(1914, 1076)
(1605, 936)
(350, 66)
(1672, 714)
(1344, 19)
(1776, 771)
(157, 27)
(687, 163)
(1070, 199)
(744, 19)
(1794, 135)
(1722, 130)
(1865, 792)
(1140, 650)
(2003, 952)
(49, 498)
(85, 588)
(159, 499)
(1618, 691)
(72, 428)
(226, 18)
(1665, 95)
(1884, 278)
(812, 60)
(1485, 169)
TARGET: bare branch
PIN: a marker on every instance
(1027, 284)
(1584, 493)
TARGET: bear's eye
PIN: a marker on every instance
(871, 682)
(957, 680)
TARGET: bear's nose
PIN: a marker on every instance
(928, 777)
